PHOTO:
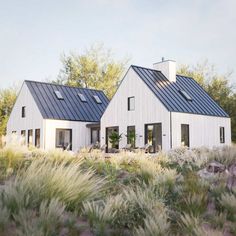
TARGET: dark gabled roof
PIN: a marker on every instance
(70, 107)
(169, 93)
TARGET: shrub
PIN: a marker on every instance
(4, 217)
(155, 224)
(46, 180)
(228, 202)
(46, 222)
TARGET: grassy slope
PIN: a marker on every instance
(54, 193)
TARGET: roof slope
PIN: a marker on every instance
(69, 108)
(169, 93)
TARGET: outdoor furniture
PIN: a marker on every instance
(146, 148)
(128, 147)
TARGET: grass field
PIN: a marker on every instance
(57, 193)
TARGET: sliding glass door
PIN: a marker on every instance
(153, 136)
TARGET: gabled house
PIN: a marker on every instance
(57, 116)
(159, 108)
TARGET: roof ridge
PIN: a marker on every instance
(145, 68)
(63, 85)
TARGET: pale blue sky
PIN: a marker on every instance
(34, 33)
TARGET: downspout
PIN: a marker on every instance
(170, 130)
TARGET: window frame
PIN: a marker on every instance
(91, 135)
(97, 99)
(82, 97)
(222, 134)
(58, 95)
(62, 129)
(129, 107)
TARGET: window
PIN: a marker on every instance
(58, 94)
(30, 137)
(131, 104)
(222, 134)
(23, 134)
(23, 112)
(37, 138)
(185, 135)
(185, 95)
(95, 135)
(64, 139)
(13, 132)
(131, 136)
(97, 99)
(82, 97)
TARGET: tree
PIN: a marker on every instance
(216, 85)
(7, 101)
(94, 68)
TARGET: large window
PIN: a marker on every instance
(95, 135)
(30, 137)
(222, 134)
(23, 112)
(23, 134)
(185, 135)
(37, 138)
(131, 136)
(153, 137)
(131, 103)
(64, 139)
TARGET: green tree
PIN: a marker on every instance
(218, 86)
(7, 100)
(95, 68)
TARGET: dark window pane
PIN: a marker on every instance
(64, 139)
(30, 137)
(131, 136)
(82, 97)
(97, 99)
(58, 95)
(23, 112)
(23, 134)
(222, 135)
(37, 138)
(185, 135)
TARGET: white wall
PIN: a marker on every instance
(203, 130)
(80, 133)
(148, 109)
(33, 119)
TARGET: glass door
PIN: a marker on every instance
(153, 137)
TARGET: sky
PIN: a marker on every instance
(35, 33)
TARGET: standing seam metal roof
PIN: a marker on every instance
(168, 93)
(71, 107)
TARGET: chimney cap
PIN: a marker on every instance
(163, 60)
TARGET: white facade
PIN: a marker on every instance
(203, 130)
(81, 134)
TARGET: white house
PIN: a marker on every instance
(164, 110)
(56, 116)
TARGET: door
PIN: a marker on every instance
(95, 135)
(153, 136)
(109, 131)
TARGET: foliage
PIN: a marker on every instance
(7, 100)
(115, 138)
(95, 68)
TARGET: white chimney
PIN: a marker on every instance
(168, 69)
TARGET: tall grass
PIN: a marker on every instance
(44, 179)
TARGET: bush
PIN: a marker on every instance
(46, 180)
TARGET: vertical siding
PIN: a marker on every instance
(80, 133)
(33, 119)
(148, 109)
(203, 130)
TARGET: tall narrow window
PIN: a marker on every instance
(37, 138)
(131, 103)
(30, 137)
(64, 139)
(131, 136)
(222, 134)
(23, 134)
(23, 112)
(95, 135)
(185, 135)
